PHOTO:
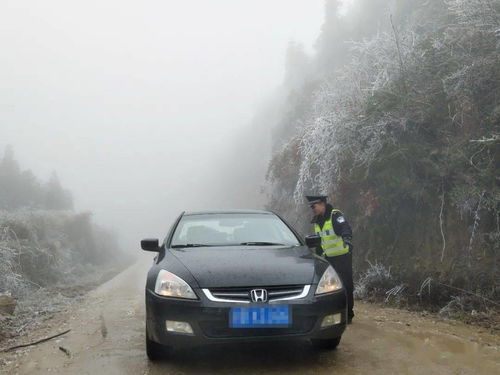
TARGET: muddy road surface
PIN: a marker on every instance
(107, 337)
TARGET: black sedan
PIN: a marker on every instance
(232, 276)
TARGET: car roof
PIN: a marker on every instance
(217, 212)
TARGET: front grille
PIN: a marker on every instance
(242, 294)
(221, 329)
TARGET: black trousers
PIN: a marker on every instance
(343, 266)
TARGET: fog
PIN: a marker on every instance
(141, 107)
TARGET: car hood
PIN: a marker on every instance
(248, 266)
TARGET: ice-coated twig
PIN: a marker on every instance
(493, 138)
(477, 218)
(426, 283)
(441, 223)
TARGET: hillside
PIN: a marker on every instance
(397, 118)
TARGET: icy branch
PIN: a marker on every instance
(441, 224)
(493, 138)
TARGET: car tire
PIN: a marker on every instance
(156, 351)
(326, 344)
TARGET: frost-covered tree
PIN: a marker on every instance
(22, 189)
(57, 198)
(17, 188)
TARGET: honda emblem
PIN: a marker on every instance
(258, 295)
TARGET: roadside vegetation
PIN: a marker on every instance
(49, 254)
(397, 118)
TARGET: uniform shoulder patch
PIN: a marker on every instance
(340, 219)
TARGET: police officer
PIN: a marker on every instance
(336, 242)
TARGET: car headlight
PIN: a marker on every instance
(170, 285)
(329, 282)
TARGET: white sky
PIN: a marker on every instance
(134, 102)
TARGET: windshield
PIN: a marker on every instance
(232, 229)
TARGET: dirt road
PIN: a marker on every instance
(107, 337)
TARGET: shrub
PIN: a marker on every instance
(44, 253)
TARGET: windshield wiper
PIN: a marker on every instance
(190, 245)
(261, 244)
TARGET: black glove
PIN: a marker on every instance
(348, 242)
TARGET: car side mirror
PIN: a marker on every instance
(313, 241)
(150, 244)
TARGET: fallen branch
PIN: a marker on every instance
(65, 351)
(36, 342)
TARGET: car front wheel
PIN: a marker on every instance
(326, 344)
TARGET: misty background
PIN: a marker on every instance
(145, 109)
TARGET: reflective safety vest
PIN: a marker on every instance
(332, 244)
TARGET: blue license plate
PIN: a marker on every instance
(260, 317)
